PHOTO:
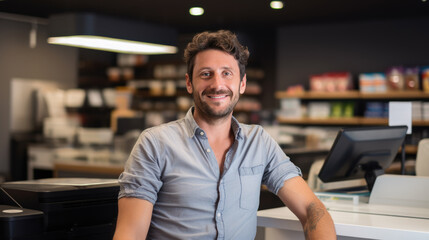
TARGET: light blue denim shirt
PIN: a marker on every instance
(173, 167)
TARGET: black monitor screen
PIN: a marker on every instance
(362, 153)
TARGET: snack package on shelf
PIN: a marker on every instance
(417, 110)
(425, 79)
(376, 110)
(342, 109)
(395, 78)
(411, 76)
(296, 89)
(372, 82)
(331, 82)
(317, 83)
(348, 109)
(425, 111)
(336, 109)
(319, 109)
(290, 108)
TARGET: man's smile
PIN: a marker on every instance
(217, 97)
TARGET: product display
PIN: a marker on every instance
(376, 110)
(342, 109)
(290, 108)
(319, 110)
(425, 111)
(395, 78)
(425, 79)
(411, 76)
(372, 82)
(417, 110)
(331, 82)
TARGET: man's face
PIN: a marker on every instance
(216, 84)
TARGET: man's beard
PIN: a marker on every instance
(209, 112)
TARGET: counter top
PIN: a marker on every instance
(359, 221)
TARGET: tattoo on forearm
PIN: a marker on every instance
(314, 214)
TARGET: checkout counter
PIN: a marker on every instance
(398, 208)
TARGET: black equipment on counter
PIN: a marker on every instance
(71, 208)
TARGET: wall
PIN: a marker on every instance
(18, 60)
(366, 46)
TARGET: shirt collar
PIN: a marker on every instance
(192, 126)
(236, 129)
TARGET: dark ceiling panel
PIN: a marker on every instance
(225, 13)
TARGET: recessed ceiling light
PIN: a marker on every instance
(196, 11)
(276, 4)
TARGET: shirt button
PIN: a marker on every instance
(208, 150)
(202, 133)
(218, 215)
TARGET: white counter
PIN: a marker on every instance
(362, 221)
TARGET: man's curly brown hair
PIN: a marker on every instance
(223, 40)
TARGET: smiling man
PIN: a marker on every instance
(199, 177)
(217, 86)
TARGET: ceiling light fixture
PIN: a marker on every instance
(112, 45)
(276, 4)
(196, 11)
(108, 34)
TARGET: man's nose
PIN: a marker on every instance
(217, 80)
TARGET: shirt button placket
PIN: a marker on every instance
(219, 220)
(207, 149)
(219, 223)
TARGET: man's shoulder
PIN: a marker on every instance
(250, 128)
(253, 132)
(173, 127)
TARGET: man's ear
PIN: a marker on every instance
(243, 84)
(188, 84)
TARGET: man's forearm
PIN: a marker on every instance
(319, 224)
(311, 212)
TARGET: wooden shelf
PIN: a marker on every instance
(396, 95)
(373, 121)
(410, 149)
(385, 121)
(319, 95)
(355, 95)
(421, 123)
(320, 121)
(343, 121)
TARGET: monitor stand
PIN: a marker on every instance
(372, 171)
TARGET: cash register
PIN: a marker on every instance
(58, 208)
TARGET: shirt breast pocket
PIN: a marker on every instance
(250, 180)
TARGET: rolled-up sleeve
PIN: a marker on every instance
(279, 168)
(142, 172)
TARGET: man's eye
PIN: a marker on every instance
(205, 74)
(227, 73)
